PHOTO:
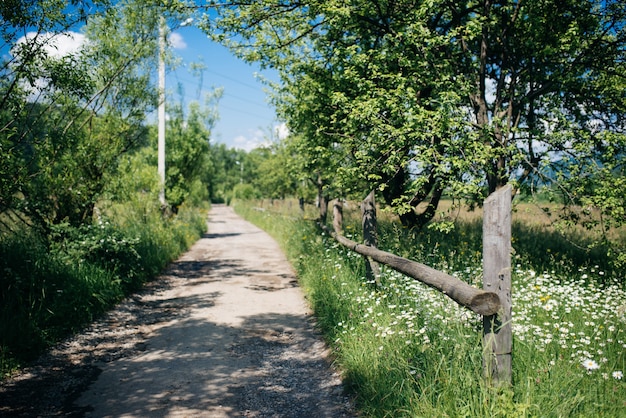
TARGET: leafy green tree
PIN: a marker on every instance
(276, 172)
(229, 169)
(540, 76)
(361, 101)
(414, 98)
(29, 32)
(66, 118)
(188, 162)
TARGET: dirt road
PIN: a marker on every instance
(226, 333)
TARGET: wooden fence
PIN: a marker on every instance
(493, 301)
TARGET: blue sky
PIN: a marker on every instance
(246, 119)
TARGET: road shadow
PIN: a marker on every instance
(162, 352)
(221, 235)
(194, 273)
(270, 366)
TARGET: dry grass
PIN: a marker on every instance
(550, 217)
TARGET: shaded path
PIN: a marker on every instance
(230, 335)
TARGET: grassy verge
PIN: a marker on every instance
(408, 351)
(53, 285)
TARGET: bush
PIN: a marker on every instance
(101, 245)
(244, 191)
(42, 297)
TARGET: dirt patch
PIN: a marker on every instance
(225, 332)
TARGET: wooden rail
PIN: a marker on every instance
(477, 300)
(493, 302)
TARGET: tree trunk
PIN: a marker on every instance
(322, 200)
(412, 219)
(338, 215)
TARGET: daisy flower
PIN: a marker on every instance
(590, 364)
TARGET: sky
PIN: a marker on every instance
(246, 120)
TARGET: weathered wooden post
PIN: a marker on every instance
(370, 235)
(497, 332)
(322, 200)
(338, 216)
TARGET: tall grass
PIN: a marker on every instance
(408, 351)
(53, 285)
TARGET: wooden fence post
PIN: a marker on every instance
(338, 216)
(370, 236)
(479, 301)
(497, 331)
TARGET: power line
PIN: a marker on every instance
(244, 112)
(222, 106)
(246, 100)
(243, 99)
(233, 79)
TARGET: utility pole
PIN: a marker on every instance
(161, 111)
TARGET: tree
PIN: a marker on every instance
(419, 97)
(274, 171)
(372, 116)
(229, 167)
(29, 66)
(66, 118)
(539, 72)
(188, 162)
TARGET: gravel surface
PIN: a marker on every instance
(225, 332)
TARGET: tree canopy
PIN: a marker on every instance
(418, 98)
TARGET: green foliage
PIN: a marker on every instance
(277, 172)
(417, 98)
(187, 157)
(43, 298)
(102, 245)
(66, 117)
(229, 169)
(245, 192)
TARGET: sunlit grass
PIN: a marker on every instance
(407, 350)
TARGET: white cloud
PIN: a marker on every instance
(56, 44)
(177, 41)
(244, 143)
(255, 138)
(281, 131)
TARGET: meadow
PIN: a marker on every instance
(406, 350)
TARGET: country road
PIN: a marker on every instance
(225, 332)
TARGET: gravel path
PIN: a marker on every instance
(225, 332)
